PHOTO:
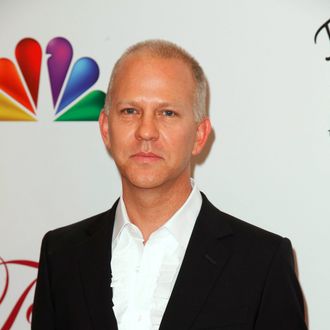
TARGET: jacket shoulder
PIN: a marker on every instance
(248, 230)
(244, 232)
(74, 234)
(252, 244)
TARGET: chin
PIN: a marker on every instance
(145, 182)
(149, 178)
(144, 179)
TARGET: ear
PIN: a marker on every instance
(104, 128)
(203, 131)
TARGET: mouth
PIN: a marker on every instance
(146, 157)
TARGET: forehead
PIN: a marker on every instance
(142, 68)
(145, 58)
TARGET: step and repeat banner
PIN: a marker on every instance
(268, 159)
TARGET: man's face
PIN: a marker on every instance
(150, 131)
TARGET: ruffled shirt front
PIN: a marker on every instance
(143, 275)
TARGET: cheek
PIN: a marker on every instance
(181, 141)
(119, 135)
(116, 144)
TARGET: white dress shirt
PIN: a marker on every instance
(143, 276)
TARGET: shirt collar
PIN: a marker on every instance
(180, 225)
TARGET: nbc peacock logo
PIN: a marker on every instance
(69, 83)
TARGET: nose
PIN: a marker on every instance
(147, 129)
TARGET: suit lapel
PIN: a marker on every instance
(95, 270)
(206, 256)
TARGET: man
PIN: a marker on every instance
(163, 257)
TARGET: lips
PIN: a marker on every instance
(146, 156)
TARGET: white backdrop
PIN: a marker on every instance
(269, 163)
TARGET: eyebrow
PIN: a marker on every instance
(136, 104)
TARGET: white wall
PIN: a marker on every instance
(270, 107)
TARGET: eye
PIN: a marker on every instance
(168, 113)
(129, 111)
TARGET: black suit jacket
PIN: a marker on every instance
(234, 276)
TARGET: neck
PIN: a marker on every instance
(149, 208)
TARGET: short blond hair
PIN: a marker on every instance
(166, 49)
